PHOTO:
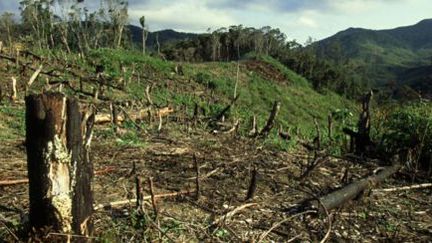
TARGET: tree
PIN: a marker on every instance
(118, 17)
(7, 23)
(144, 33)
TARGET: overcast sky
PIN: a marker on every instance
(298, 19)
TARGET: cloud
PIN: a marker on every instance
(291, 6)
(186, 15)
(297, 18)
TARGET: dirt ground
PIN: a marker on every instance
(226, 164)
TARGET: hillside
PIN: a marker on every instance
(384, 54)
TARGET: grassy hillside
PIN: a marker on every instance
(262, 81)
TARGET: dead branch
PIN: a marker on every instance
(148, 97)
(160, 122)
(14, 89)
(404, 188)
(233, 212)
(124, 202)
(317, 161)
(270, 122)
(254, 130)
(34, 76)
(234, 127)
(137, 116)
(25, 181)
(206, 175)
(13, 182)
(264, 235)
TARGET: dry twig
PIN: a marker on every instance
(404, 188)
(124, 202)
(233, 212)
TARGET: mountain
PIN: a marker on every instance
(165, 36)
(384, 55)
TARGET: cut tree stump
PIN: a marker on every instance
(361, 139)
(271, 120)
(59, 170)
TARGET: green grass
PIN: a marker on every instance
(12, 122)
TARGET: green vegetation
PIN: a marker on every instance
(408, 129)
(12, 124)
(380, 56)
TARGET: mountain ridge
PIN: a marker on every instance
(384, 54)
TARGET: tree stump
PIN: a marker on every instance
(59, 168)
(271, 120)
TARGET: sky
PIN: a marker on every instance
(298, 19)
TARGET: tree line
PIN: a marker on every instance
(236, 42)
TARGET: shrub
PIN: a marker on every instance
(408, 131)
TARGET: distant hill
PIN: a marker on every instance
(165, 36)
(385, 55)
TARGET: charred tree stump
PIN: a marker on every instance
(270, 122)
(361, 139)
(330, 127)
(252, 185)
(197, 179)
(317, 140)
(58, 164)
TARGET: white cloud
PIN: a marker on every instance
(186, 15)
(297, 18)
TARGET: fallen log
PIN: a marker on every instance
(140, 115)
(351, 191)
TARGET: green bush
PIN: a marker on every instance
(408, 131)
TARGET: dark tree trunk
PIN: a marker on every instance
(271, 120)
(59, 169)
(361, 139)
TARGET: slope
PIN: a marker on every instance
(261, 82)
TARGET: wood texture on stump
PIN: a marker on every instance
(59, 170)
